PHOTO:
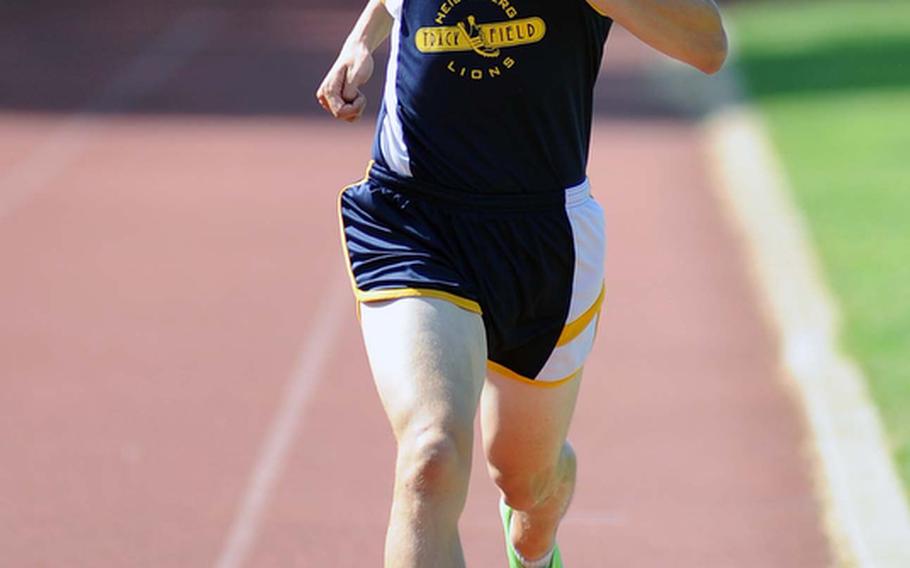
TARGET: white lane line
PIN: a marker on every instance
(157, 63)
(866, 509)
(325, 329)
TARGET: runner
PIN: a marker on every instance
(476, 250)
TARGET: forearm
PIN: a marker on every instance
(689, 30)
(340, 93)
(372, 27)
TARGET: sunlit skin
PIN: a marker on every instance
(688, 30)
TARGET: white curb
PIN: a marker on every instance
(865, 506)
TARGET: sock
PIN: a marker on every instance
(542, 562)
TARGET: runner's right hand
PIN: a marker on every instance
(339, 93)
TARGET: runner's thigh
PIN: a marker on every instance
(525, 425)
(428, 361)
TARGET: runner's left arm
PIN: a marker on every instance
(339, 93)
(688, 30)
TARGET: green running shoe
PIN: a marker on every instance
(506, 513)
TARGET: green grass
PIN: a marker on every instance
(833, 80)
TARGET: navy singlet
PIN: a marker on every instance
(490, 96)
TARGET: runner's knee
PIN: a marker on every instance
(433, 462)
(524, 488)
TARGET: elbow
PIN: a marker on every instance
(711, 57)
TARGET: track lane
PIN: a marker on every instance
(153, 305)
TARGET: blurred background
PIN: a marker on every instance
(833, 81)
(181, 377)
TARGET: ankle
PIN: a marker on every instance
(542, 562)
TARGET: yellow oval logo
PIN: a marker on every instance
(486, 40)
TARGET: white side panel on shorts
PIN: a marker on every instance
(570, 357)
(588, 232)
(589, 236)
(391, 135)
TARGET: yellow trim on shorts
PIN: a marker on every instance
(597, 9)
(574, 329)
(396, 293)
(506, 372)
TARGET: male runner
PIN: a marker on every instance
(476, 250)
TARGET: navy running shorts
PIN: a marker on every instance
(531, 265)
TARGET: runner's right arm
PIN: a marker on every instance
(339, 93)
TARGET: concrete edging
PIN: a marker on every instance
(865, 507)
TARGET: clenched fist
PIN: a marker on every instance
(339, 93)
